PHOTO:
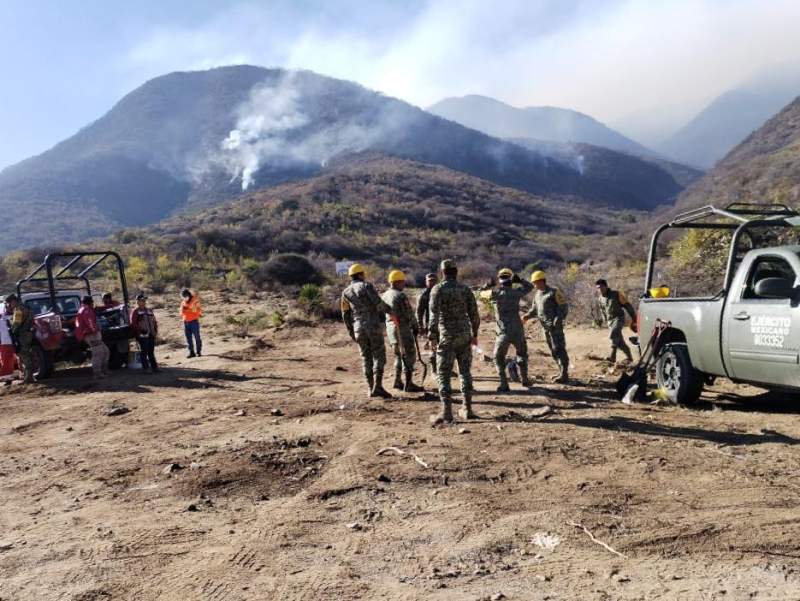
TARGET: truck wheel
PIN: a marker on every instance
(675, 374)
(42, 365)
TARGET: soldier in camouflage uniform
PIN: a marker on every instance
(423, 310)
(613, 305)
(23, 333)
(402, 330)
(453, 329)
(505, 300)
(362, 312)
(550, 306)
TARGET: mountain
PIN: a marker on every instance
(765, 167)
(193, 139)
(731, 117)
(389, 211)
(539, 123)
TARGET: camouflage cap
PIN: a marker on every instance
(431, 276)
(447, 264)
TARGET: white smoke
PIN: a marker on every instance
(283, 124)
(580, 164)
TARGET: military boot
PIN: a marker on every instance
(398, 381)
(563, 374)
(466, 409)
(378, 391)
(410, 386)
(523, 375)
(370, 383)
(628, 354)
(445, 416)
(612, 358)
(503, 387)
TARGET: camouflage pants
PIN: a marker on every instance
(405, 354)
(373, 351)
(25, 354)
(450, 351)
(501, 346)
(615, 336)
(558, 345)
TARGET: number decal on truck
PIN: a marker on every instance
(770, 331)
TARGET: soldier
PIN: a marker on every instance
(453, 328)
(401, 328)
(22, 330)
(613, 305)
(509, 329)
(362, 311)
(423, 310)
(550, 306)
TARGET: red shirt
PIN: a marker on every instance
(85, 322)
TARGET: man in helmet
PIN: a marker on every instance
(613, 305)
(453, 329)
(550, 306)
(505, 299)
(401, 328)
(362, 312)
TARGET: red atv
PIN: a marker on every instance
(53, 292)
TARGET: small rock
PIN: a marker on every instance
(192, 507)
(194, 465)
(6, 547)
(276, 412)
(463, 431)
(497, 597)
(340, 368)
(241, 413)
(70, 428)
(354, 526)
(118, 410)
(172, 467)
(384, 478)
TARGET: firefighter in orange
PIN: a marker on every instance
(190, 313)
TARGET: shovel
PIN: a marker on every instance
(633, 387)
(424, 363)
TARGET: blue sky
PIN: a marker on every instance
(645, 66)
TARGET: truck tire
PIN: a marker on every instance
(675, 374)
(42, 363)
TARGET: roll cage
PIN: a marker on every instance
(739, 217)
(71, 267)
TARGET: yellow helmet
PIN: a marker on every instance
(537, 275)
(396, 276)
(505, 273)
(355, 269)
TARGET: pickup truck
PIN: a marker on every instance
(50, 292)
(745, 332)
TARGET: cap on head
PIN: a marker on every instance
(601, 282)
(396, 276)
(505, 273)
(186, 293)
(355, 269)
(448, 265)
(431, 277)
(87, 300)
(12, 298)
(141, 296)
(107, 296)
(538, 276)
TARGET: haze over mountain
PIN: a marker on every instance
(536, 122)
(765, 167)
(190, 139)
(730, 118)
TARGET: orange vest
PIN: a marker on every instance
(190, 310)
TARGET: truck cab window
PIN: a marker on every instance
(767, 267)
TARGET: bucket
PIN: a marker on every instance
(134, 360)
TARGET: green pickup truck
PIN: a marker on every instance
(744, 332)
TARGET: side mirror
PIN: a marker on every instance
(775, 288)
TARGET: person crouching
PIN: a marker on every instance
(87, 329)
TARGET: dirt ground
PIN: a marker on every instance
(254, 473)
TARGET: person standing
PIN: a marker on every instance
(190, 313)
(423, 311)
(86, 328)
(550, 306)
(362, 313)
(8, 356)
(145, 327)
(453, 328)
(22, 329)
(401, 329)
(505, 300)
(613, 305)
